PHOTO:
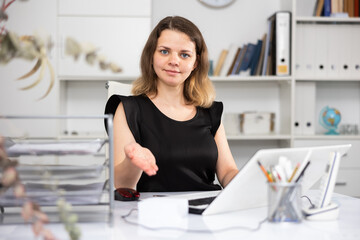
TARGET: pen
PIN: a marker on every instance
(265, 172)
(303, 171)
(294, 172)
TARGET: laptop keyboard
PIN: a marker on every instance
(201, 201)
(198, 206)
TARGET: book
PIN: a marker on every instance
(351, 8)
(233, 48)
(319, 7)
(346, 6)
(246, 60)
(267, 49)
(269, 67)
(335, 8)
(261, 59)
(281, 43)
(220, 62)
(356, 8)
(255, 59)
(234, 61)
(271, 55)
(327, 8)
(238, 60)
(315, 8)
(340, 5)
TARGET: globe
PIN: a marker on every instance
(330, 119)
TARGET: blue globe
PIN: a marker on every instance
(330, 119)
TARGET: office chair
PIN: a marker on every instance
(114, 87)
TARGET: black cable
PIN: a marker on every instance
(312, 205)
(190, 230)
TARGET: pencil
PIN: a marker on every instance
(294, 172)
(265, 172)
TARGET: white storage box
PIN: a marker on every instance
(257, 122)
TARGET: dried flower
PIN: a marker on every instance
(48, 235)
(72, 48)
(9, 177)
(27, 211)
(19, 190)
(41, 216)
(68, 219)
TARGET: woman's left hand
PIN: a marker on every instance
(142, 158)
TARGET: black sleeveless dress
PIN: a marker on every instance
(185, 151)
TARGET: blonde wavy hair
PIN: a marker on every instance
(198, 89)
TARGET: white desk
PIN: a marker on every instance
(347, 227)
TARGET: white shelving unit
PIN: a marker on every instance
(341, 90)
(339, 87)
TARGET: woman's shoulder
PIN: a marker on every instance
(215, 112)
(216, 105)
(127, 101)
(216, 108)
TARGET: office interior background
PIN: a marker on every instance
(120, 28)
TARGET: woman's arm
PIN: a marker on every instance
(130, 159)
(226, 168)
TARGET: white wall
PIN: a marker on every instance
(241, 22)
(28, 18)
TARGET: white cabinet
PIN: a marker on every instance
(134, 8)
(119, 30)
(119, 39)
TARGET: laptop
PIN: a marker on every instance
(248, 189)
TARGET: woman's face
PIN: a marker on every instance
(174, 58)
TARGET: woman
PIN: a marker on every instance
(168, 136)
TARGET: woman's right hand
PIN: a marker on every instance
(142, 158)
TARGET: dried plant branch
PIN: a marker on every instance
(32, 71)
(40, 77)
(35, 48)
(6, 5)
(75, 49)
(52, 79)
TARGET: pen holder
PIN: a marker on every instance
(284, 202)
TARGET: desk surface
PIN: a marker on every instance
(212, 227)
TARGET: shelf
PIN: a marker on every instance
(259, 137)
(250, 79)
(329, 79)
(122, 78)
(327, 20)
(328, 137)
(131, 78)
(82, 136)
